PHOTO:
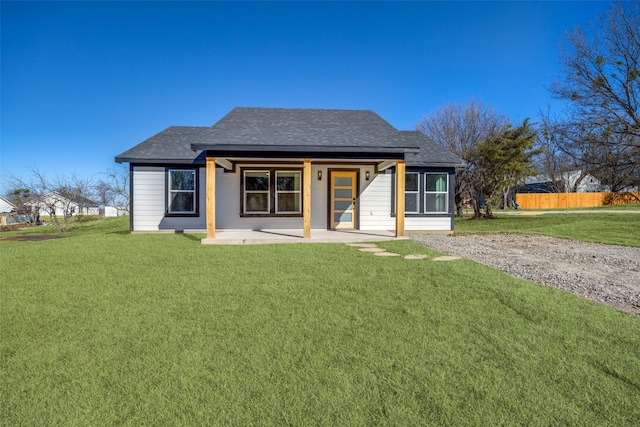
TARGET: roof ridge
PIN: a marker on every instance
(303, 109)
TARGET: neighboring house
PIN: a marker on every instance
(280, 168)
(64, 201)
(6, 206)
(582, 183)
(113, 211)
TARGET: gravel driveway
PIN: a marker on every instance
(603, 273)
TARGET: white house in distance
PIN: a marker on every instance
(282, 168)
(75, 204)
(568, 181)
(6, 206)
(113, 211)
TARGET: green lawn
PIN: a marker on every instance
(609, 228)
(107, 328)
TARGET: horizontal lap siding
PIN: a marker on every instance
(149, 202)
(427, 223)
(228, 205)
(375, 204)
(148, 198)
(375, 210)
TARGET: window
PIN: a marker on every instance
(182, 195)
(287, 192)
(412, 192)
(272, 192)
(256, 192)
(435, 198)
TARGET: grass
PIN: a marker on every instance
(108, 328)
(613, 229)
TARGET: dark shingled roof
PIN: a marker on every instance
(289, 129)
(171, 145)
(297, 127)
(431, 153)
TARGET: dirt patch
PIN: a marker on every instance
(34, 238)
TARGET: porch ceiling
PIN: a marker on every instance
(229, 162)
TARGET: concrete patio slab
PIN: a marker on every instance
(261, 237)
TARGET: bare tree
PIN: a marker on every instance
(588, 148)
(113, 188)
(558, 159)
(601, 84)
(459, 128)
(60, 198)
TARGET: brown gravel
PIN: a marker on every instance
(606, 274)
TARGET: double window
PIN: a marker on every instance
(426, 193)
(182, 194)
(272, 192)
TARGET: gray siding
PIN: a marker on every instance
(149, 202)
(375, 204)
(375, 213)
(149, 182)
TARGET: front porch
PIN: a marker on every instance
(342, 220)
(260, 237)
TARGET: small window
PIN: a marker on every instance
(287, 192)
(182, 191)
(436, 192)
(256, 192)
(412, 192)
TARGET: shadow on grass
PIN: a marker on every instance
(191, 237)
(35, 237)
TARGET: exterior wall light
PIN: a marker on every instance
(319, 175)
(367, 175)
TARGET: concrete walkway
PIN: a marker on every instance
(262, 237)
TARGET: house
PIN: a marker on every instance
(568, 182)
(6, 206)
(64, 200)
(282, 168)
(114, 211)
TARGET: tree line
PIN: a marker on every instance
(597, 133)
(62, 196)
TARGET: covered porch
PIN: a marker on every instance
(381, 161)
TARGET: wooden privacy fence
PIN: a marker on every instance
(573, 200)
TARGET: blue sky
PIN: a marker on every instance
(83, 81)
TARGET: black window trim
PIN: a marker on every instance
(422, 192)
(272, 192)
(167, 171)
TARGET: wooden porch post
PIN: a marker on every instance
(400, 175)
(306, 202)
(211, 197)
